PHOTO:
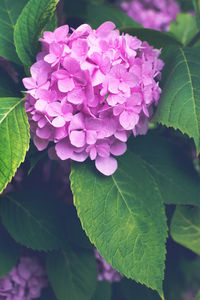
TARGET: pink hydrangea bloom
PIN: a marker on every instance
(105, 271)
(89, 90)
(154, 14)
(24, 282)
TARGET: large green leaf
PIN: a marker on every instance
(9, 252)
(184, 28)
(179, 105)
(31, 220)
(124, 217)
(171, 168)
(72, 273)
(185, 227)
(34, 17)
(14, 137)
(97, 14)
(117, 212)
(9, 12)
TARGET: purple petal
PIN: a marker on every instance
(64, 150)
(50, 58)
(107, 165)
(66, 85)
(104, 29)
(43, 133)
(77, 122)
(91, 137)
(79, 156)
(113, 85)
(118, 148)
(40, 105)
(128, 120)
(77, 138)
(41, 144)
(58, 122)
(54, 109)
(29, 83)
(61, 33)
(77, 96)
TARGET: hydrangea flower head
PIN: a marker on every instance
(24, 282)
(154, 14)
(105, 271)
(89, 90)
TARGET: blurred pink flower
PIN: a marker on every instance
(154, 14)
(24, 282)
(105, 271)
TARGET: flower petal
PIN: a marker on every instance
(106, 166)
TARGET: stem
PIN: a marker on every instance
(198, 7)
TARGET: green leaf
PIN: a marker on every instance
(72, 273)
(52, 25)
(97, 14)
(197, 296)
(9, 252)
(9, 12)
(175, 176)
(34, 17)
(103, 291)
(124, 217)
(30, 218)
(179, 105)
(196, 4)
(35, 159)
(130, 288)
(72, 227)
(155, 38)
(14, 137)
(184, 29)
(185, 227)
(7, 87)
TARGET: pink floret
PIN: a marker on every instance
(24, 282)
(89, 90)
(154, 14)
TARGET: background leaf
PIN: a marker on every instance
(179, 105)
(14, 137)
(72, 273)
(196, 4)
(9, 252)
(184, 28)
(9, 12)
(185, 227)
(7, 86)
(103, 291)
(34, 17)
(72, 227)
(197, 296)
(97, 14)
(171, 168)
(124, 217)
(30, 218)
